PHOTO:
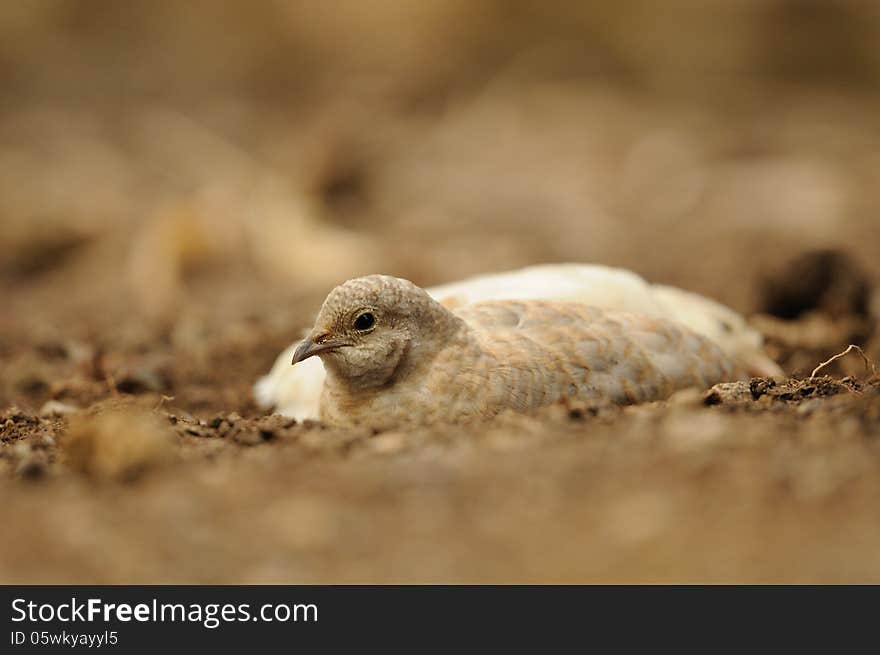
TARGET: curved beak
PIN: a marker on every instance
(308, 348)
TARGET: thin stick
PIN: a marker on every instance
(162, 400)
(868, 362)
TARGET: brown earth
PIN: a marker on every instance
(770, 481)
(175, 202)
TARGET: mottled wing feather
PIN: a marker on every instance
(562, 350)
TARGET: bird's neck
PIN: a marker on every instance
(407, 359)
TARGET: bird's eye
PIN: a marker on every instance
(364, 322)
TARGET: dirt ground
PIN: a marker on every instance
(169, 224)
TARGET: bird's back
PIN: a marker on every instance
(547, 351)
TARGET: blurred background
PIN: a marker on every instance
(181, 183)
(280, 147)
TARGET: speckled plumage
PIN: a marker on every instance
(424, 363)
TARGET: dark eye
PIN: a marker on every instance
(365, 321)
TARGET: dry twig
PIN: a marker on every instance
(868, 363)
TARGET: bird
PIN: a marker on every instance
(296, 391)
(396, 356)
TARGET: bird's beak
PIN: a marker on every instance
(308, 348)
